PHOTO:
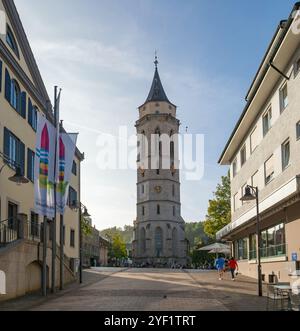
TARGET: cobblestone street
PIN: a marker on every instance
(153, 290)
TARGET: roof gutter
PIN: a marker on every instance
(274, 53)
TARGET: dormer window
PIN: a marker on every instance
(11, 41)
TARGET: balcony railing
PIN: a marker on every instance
(10, 231)
(269, 252)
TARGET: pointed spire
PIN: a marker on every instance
(157, 92)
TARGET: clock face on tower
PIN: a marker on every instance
(158, 189)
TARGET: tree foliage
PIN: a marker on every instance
(219, 210)
(126, 233)
(86, 227)
(117, 248)
(195, 234)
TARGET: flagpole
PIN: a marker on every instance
(56, 118)
(62, 253)
(44, 234)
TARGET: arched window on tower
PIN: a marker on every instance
(158, 209)
(143, 240)
(158, 242)
(173, 190)
(172, 152)
(174, 241)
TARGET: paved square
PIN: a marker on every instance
(158, 290)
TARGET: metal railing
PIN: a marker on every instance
(9, 231)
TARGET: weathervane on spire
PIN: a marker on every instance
(156, 59)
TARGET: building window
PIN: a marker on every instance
(72, 197)
(72, 238)
(269, 170)
(32, 115)
(11, 41)
(174, 211)
(30, 165)
(143, 211)
(255, 180)
(14, 150)
(253, 248)
(34, 225)
(158, 209)
(158, 242)
(298, 130)
(254, 140)
(12, 213)
(234, 168)
(143, 189)
(172, 151)
(267, 118)
(157, 172)
(243, 155)
(273, 242)
(173, 190)
(286, 153)
(74, 168)
(242, 249)
(284, 99)
(243, 192)
(15, 95)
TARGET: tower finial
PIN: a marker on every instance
(156, 59)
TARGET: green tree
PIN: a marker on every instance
(118, 248)
(195, 234)
(86, 227)
(219, 210)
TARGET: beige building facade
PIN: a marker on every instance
(22, 95)
(264, 152)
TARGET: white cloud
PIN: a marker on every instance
(91, 53)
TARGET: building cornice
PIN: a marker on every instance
(149, 117)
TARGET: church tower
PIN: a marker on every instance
(159, 231)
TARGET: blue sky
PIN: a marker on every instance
(101, 53)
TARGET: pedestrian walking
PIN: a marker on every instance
(220, 265)
(233, 265)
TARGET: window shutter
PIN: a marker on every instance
(23, 104)
(29, 164)
(6, 142)
(7, 86)
(21, 156)
(30, 112)
(0, 76)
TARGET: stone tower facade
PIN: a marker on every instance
(159, 231)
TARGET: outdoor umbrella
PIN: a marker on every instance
(217, 247)
(220, 251)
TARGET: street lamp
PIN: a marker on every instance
(83, 213)
(18, 177)
(251, 194)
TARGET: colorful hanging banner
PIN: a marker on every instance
(44, 168)
(66, 148)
